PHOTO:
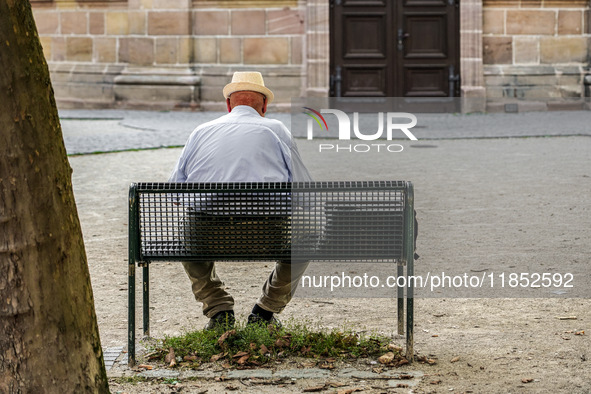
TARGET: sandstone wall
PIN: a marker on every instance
(536, 51)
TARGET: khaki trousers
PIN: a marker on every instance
(208, 234)
(209, 289)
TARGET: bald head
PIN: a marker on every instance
(252, 99)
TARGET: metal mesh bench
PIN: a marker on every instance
(314, 221)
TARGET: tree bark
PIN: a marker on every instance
(49, 339)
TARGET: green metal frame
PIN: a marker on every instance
(135, 258)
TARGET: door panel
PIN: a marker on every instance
(406, 48)
(365, 80)
(426, 36)
(363, 36)
(425, 81)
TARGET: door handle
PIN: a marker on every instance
(401, 37)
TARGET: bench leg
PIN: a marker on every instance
(146, 298)
(410, 312)
(409, 329)
(400, 297)
(131, 315)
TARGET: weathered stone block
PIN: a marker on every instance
(96, 23)
(564, 49)
(58, 49)
(297, 50)
(230, 50)
(47, 22)
(531, 22)
(184, 50)
(570, 22)
(285, 21)
(137, 21)
(205, 50)
(266, 50)
(211, 22)
(166, 50)
(105, 49)
(493, 21)
(79, 49)
(317, 17)
(569, 105)
(168, 23)
(471, 44)
(526, 50)
(140, 4)
(73, 22)
(497, 50)
(171, 4)
(536, 80)
(248, 22)
(531, 3)
(318, 45)
(140, 51)
(117, 23)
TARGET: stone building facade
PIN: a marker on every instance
(537, 49)
(178, 54)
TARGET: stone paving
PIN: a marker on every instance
(88, 131)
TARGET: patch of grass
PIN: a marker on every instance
(258, 344)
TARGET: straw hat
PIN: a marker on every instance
(248, 80)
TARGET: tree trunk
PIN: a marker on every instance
(49, 339)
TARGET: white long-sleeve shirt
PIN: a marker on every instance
(241, 146)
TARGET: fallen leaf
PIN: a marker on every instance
(305, 349)
(242, 360)
(231, 388)
(190, 358)
(437, 381)
(253, 346)
(145, 366)
(326, 365)
(216, 357)
(240, 355)
(386, 358)
(170, 358)
(264, 349)
(580, 332)
(314, 389)
(394, 348)
(527, 380)
(281, 342)
(455, 359)
(226, 365)
(401, 362)
(435, 335)
(225, 336)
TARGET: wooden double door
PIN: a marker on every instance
(394, 48)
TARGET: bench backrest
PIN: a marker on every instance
(341, 221)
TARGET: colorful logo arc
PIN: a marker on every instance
(315, 115)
